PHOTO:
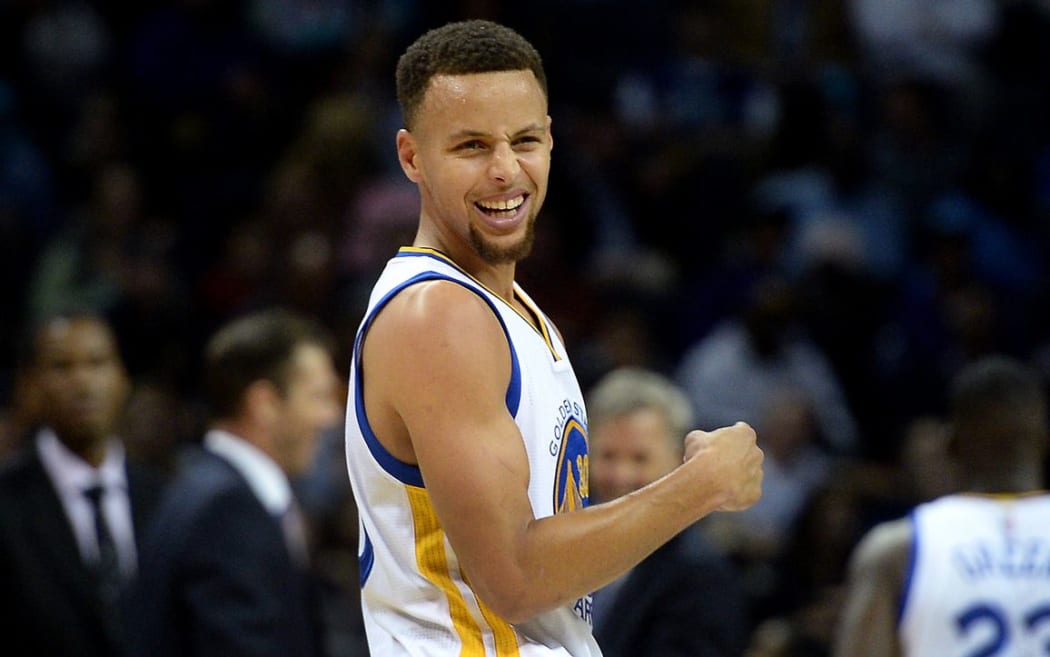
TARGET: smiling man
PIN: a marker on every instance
(466, 427)
(686, 598)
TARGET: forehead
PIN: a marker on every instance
(72, 337)
(311, 362)
(474, 100)
(642, 428)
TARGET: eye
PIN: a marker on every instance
(528, 141)
(471, 145)
(58, 365)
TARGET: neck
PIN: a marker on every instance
(93, 452)
(499, 278)
(246, 431)
(1022, 478)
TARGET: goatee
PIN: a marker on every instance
(494, 254)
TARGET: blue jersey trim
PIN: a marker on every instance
(910, 573)
(406, 472)
(539, 321)
(366, 559)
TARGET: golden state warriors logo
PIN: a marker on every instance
(570, 484)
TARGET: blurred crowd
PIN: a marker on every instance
(810, 215)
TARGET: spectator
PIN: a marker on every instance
(685, 599)
(72, 508)
(224, 566)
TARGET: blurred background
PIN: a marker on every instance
(809, 213)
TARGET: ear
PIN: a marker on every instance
(550, 135)
(261, 402)
(407, 151)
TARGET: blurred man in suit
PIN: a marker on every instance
(224, 567)
(684, 600)
(71, 507)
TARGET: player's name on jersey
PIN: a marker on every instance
(1004, 559)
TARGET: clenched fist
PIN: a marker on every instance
(732, 462)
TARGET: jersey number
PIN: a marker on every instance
(996, 619)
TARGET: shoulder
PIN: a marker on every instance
(203, 469)
(432, 321)
(20, 476)
(204, 481)
(16, 468)
(207, 499)
(885, 550)
(437, 303)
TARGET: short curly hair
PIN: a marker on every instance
(461, 48)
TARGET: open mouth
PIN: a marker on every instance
(502, 209)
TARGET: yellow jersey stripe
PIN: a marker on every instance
(505, 637)
(433, 564)
(542, 330)
(543, 325)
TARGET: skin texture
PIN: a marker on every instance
(81, 383)
(445, 365)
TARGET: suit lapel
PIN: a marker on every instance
(51, 531)
(144, 491)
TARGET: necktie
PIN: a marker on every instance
(107, 567)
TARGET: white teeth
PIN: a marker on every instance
(512, 204)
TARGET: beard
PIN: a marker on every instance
(495, 254)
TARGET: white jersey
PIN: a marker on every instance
(979, 584)
(415, 600)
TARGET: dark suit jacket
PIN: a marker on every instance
(215, 575)
(684, 600)
(48, 600)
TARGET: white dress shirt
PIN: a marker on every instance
(267, 481)
(72, 476)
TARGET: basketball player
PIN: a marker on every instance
(968, 574)
(466, 428)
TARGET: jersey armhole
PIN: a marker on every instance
(408, 473)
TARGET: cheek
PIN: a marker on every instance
(538, 165)
(313, 415)
(449, 176)
(301, 420)
(601, 469)
(119, 390)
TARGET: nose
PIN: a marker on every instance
(82, 376)
(613, 478)
(504, 165)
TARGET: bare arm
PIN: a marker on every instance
(440, 402)
(868, 627)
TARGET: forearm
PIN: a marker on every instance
(563, 557)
